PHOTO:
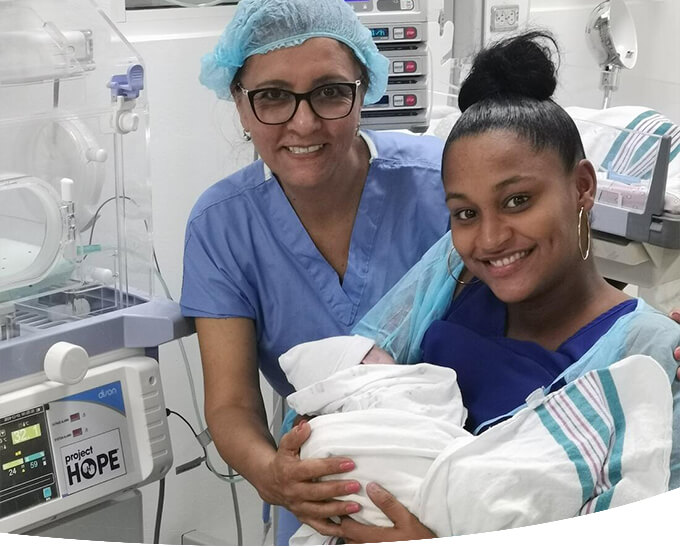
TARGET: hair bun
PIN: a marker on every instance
(516, 66)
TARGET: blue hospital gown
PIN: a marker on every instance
(496, 373)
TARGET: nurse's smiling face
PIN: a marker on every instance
(515, 212)
(307, 150)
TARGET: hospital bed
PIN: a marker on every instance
(636, 218)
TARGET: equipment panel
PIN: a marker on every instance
(362, 6)
(26, 461)
(399, 29)
(79, 444)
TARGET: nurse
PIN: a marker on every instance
(300, 244)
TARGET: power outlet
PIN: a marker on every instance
(504, 18)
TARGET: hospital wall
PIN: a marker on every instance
(655, 79)
(196, 140)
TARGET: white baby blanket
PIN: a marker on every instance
(603, 440)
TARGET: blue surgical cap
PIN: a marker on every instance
(260, 26)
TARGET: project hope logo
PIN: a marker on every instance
(85, 465)
(93, 461)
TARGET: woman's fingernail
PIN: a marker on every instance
(352, 488)
(300, 424)
(373, 487)
(352, 508)
(347, 466)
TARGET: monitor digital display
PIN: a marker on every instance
(381, 32)
(26, 434)
(27, 476)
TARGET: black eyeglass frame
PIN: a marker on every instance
(299, 97)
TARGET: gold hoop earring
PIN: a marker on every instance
(585, 255)
(450, 270)
(246, 135)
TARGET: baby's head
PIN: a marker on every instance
(311, 362)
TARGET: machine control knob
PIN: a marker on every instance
(128, 121)
(96, 154)
(66, 363)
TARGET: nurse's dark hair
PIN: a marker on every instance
(510, 87)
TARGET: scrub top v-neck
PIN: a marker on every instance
(248, 255)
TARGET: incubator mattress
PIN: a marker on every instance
(16, 256)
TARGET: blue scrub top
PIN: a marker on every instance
(247, 254)
(496, 373)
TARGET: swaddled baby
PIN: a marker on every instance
(390, 415)
(402, 425)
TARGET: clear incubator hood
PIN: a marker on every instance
(80, 329)
(75, 199)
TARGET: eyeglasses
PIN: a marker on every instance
(275, 106)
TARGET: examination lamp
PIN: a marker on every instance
(611, 35)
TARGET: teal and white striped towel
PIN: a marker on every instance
(602, 441)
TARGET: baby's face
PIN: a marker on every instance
(377, 356)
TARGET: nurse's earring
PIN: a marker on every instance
(246, 135)
(586, 254)
(450, 270)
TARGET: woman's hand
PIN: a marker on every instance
(295, 483)
(406, 525)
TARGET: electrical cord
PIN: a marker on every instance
(95, 217)
(204, 459)
(159, 511)
(196, 461)
(237, 512)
